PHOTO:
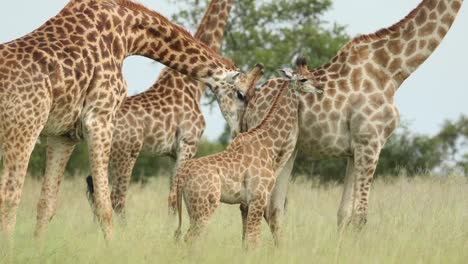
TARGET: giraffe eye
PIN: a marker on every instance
(303, 80)
(240, 96)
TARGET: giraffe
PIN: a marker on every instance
(64, 81)
(356, 114)
(245, 171)
(166, 119)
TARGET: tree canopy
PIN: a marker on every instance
(272, 32)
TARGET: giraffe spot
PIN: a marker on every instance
(356, 79)
(448, 19)
(330, 92)
(411, 48)
(395, 65)
(415, 61)
(421, 17)
(395, 47)
(377, 99)
(428, 29)
(334, 116)
(380, 77)
(422, 44)
(334, 67)
(381, 57)
(344, 71)
(442, 32)
(343, 86)
(379, 44)
(456, 5)
(409, 31)
(327, 104)
(441, 7)
(431, 4)
(367, 86)
(339, 101)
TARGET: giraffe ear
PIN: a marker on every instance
(301, 64)
(232, 77)
(286, 73)
(306, 86)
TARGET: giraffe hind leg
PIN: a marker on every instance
(201, 210)
(17, 151)
(120, 171)
(59, 151)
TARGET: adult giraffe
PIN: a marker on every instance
(64, 81)
(166, 119)
(356, 114)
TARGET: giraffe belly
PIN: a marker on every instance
(325, 140)
(232, 192)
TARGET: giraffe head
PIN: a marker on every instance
(300, 82)
(233, 97)
(301, 79)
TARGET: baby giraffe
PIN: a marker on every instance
(245, 172)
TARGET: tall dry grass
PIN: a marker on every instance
(420, 220)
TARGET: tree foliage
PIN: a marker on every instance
(272, 32)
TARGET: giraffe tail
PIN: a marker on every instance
(90, 194)
(175, 203)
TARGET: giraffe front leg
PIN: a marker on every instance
(365, 163)
(255, 213)
(347, 200)
(98, 134)
(59, 151)
(276, 207)
(186, 149)
(121, 165)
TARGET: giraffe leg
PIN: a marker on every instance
(19, 135)
(186, 149)
(255, 213)
(347, 200)
(199, 219)
(121, 167)
(275, 210)
(17, 148)
(365, 163)
(201, 204)
(98, 134)
(59, 151)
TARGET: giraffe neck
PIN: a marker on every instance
(279, 115)
(129, 29)
(210, 31)
(412, 40)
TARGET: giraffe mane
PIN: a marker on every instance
(273, 108)
(383, 32)
(141, 8)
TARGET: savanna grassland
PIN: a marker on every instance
(418, 220)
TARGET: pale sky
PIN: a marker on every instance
(438, 90)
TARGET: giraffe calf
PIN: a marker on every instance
(245, 172)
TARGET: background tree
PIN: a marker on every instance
(272, 32)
